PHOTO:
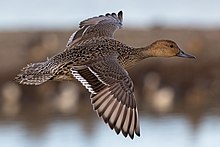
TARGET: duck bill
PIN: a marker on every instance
(185, 55)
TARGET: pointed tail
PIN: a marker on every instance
(34, 74)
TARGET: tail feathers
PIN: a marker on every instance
(34, 74)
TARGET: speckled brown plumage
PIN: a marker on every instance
(98, 61)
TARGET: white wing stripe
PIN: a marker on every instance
(83, 81)
(97, 76)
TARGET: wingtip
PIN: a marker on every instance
(124, 133)
(107, 14)
(120, 12)
(117, 130)
(131, 136)
(113, 14)
(137, 132)
(120, 16)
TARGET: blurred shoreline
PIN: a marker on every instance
(162, 86)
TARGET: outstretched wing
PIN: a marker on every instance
(103, 25)
(112, 94)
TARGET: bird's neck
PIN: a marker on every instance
(129, 56)
(146, 52)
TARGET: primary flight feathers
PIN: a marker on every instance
(103, 25)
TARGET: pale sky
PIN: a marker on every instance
(65, 14)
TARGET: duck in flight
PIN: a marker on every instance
(99, 63)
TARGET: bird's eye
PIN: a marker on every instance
(171, 46)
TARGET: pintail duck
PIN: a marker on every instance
(98, 61)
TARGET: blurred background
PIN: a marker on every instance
(178, 99)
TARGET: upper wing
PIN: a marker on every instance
(112, 94)
(103, 25)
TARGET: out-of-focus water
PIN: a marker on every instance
(164, 131)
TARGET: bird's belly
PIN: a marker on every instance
(63, 76)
